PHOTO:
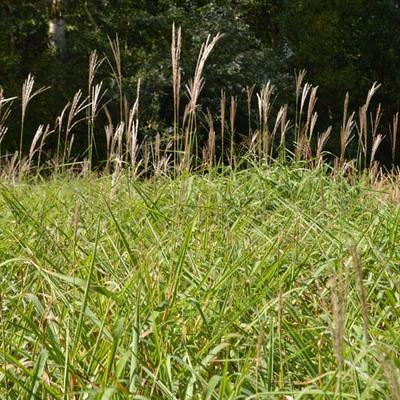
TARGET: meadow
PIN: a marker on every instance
(278, 282)
(180, 268)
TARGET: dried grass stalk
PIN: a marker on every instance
(210, 151)
(232, 120)
(264, 108)
(222, 120)
(393, 130)
(345, 130)
(338, 300)
(321, 142)
(355, 257)
(176, 78)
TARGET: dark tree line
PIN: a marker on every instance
(345, 45)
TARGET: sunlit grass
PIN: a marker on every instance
(223, 285)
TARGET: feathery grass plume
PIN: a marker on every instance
(285, 123)
(374, 88)
(94, 65)
(118, 143)
(47, 132)
(109, 131)
(95, 100)
(249, 96)
(278, 120)
(345, 130)
(58, 126)
(3, 131)
(126, 109)
(304, 94)
(210, 150)
(264, 108)
(311, 120)
(117, 71)
(321, 142)
(375, 121)
(393, 131)
(308, 138)
(5, 111)
(306, 131)
(27, 95)
(5, 107)
(254, 145)
(355, 258)
(132, 133)
(157, 154)
(222, 121)
(299, 129)
(280, 117)
(312, 126)
(77, 107)
(338, 301)
(232, 121)
(40, 135)
(362, 135)
(195, 86)
(117, 158)
(299, 78)
(11, 166)
(133, 144)
(363, 124)
(97, 95)
(176, 84)
(146, 157)
(194, 89)
(36, 137)
(377, 140)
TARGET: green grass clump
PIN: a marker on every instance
(267, 283)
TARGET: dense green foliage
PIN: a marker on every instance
(279, 280)
(344, 45)
(231, 249)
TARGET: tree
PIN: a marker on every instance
(345, 45)
(57, 38)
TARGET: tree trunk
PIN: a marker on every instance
(57, 39)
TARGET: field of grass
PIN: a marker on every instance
(266, 283)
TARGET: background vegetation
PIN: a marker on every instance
(344, 46)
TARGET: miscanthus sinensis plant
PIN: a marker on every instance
(276, 282)
(243, 266)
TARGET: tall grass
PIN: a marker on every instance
(272, 274)
(245, 284)
(186, 148)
